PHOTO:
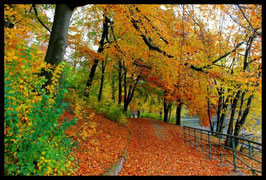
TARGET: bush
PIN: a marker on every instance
(150, 115)
(74, 79)
(110, 110)
(35, 142)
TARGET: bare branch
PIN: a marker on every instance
(36, 13)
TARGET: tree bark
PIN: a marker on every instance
(120, 82)
(102, 81)
(242, 121)
(58, 39)
(209, 110)
(235, 101)
(166, 109)
(113, 88)
(228, 141)
(95, 62)
(161, 114)
(128, 95)
(221, 113)
(125, 90)
(178, 114)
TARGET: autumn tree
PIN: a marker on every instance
(58, 39)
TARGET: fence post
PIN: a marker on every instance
(209, 142)
(234, 153)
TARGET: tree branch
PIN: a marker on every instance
(36, 13)
(218, 59)
(248, 21)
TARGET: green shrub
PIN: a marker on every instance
(150, 115)
(110, 110)
(35, 142)
(74, 79)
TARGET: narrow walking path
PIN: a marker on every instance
(157, 148)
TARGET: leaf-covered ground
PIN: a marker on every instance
(157, 148)
(100, 143)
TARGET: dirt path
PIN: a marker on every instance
(157, 148)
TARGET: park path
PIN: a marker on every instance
(157, 148)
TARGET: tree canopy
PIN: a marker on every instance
(131, 57)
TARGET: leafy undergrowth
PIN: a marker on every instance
(100, 142)
(165, 153)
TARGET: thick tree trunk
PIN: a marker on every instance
(126, 103)
(161, 114)
(178, 114)
(166, 108)
(165, 116)
(138, 113)
(58, 39)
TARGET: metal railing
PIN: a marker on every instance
(242, 154)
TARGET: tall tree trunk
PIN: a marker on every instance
(242, 121)
(120, 82)
(178, 114)
(161, 113)
(102, 81)
(131, 89)
(58, 39)
(209, 110)
(221, 115)
(113, 88)
(228, 141)
(95, 62)
(209, 116)
(166, 108)
(170, 111)
(91, 76)
(126, 103)
(125, 90)
(239, 123)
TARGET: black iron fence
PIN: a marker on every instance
(242, 154)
